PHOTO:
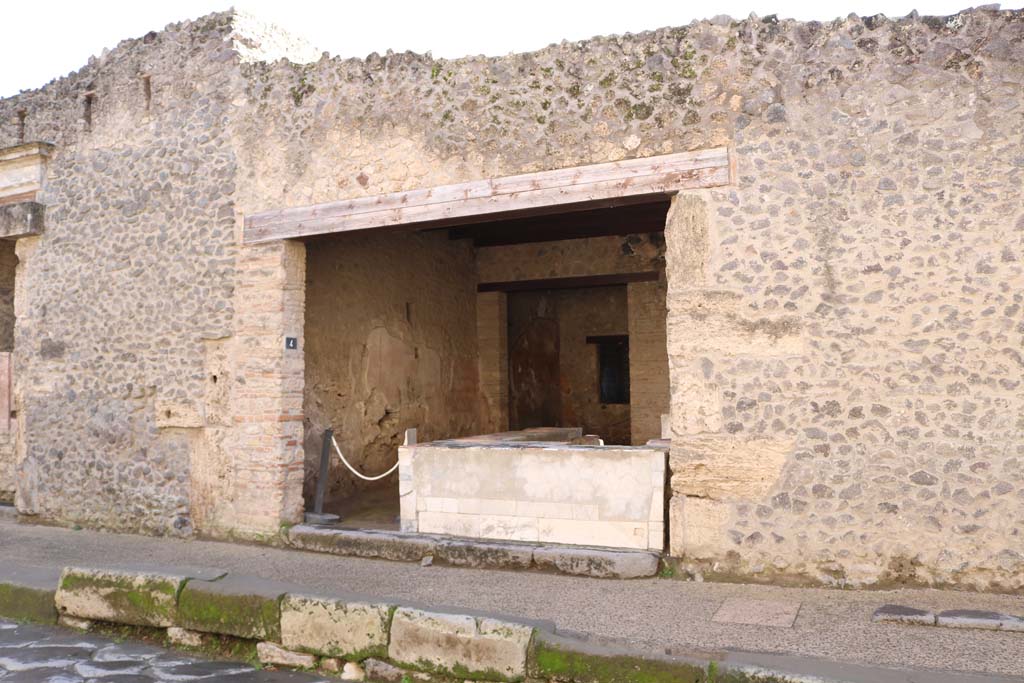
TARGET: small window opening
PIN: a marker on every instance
(147, 91)
(22, 115)
(612, 367)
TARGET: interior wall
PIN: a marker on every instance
(546, 322)
(390, 344)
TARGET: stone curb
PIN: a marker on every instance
(394, 642)
(331, 633)
(602, 563)
(136, 596)
(240, 606)
(27, 593)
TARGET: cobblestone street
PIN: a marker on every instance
(35, 654)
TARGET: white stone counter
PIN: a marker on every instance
(539, 492)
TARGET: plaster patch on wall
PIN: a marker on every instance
(724, 467)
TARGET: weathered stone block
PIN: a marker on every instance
(335, 627)
(74, 623)
(377, 670)
(124, 596)
(972, 618)
(597, 563)
(898, 614)
(243, 606)
(387, 546)
(697, 526)
(183, 637)
(272, 653)
(488, 555)
(21, 220)
(460, 645)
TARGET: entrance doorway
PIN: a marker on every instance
(569, 360)
(402, 332)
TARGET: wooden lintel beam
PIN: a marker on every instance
(622, 220)
(512, 195)
(569, 282)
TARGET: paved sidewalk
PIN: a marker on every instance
(657, 615)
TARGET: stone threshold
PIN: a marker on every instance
(605, 563)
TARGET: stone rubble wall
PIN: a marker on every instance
(844, 322)
(118, 301)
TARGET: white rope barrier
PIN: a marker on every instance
(353, 469)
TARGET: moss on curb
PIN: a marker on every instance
(23, 603)
(550, 661)
(554, 662)
(142, 600)
(245, 616)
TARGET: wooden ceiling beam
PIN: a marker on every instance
(623, 220)
(575, 282)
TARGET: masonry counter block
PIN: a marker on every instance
(518, 487)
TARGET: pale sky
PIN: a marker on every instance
(44, 39)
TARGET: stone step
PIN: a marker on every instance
(602, 563)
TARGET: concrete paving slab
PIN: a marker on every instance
(757, 612)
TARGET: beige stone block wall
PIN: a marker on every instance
(549, 494)
(492, 344)
(648, 359)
